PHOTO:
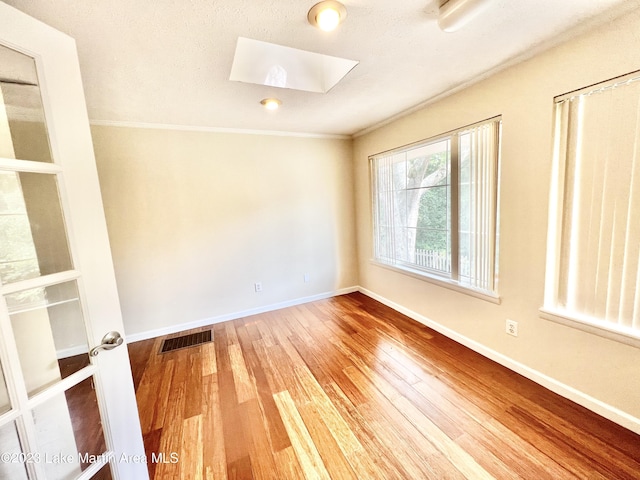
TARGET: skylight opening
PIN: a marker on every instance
(268, 64)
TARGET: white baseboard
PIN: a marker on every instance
(71, 352)
(581, 398)
(136, 337)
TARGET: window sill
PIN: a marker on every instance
(601, 329)
(442, 282)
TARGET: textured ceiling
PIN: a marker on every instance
(168, 61)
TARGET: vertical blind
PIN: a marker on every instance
(483, 167)
(598, 146)
(389, 242)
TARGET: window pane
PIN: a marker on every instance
(401, 201)
(464, 207)
(50, 334)
(429, 164)
(384, 176)
(33, 239)
(10, 446)
(24, 134)
(402, 239)
(434, 240)
(399, 169)
(69, 426)
(465, 157)
(384, 210)
(464, 262)
(432, 207)
(432, 250)
(384, 243)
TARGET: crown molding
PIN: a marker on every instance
(191, 128)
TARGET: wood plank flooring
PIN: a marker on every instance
(347, 388)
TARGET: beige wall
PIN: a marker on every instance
(195, 218)
(523, 95)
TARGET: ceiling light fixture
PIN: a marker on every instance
(270, 103)
(327, 15)
(455, 14)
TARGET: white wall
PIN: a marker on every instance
(523, 94)
(195, 218)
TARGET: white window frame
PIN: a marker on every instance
(552, 309)
(449, 281)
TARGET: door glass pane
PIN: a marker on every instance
(103, 474)
(69, 431)
(5, 403)
(23, 133)
(33, 238)
(50, 334)
(13, 461)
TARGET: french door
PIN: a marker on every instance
(67, 403)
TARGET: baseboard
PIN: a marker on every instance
(607, 411)
(136, 337)
(71, 352)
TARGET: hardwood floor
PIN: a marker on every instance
(347, 388)
(84, 413)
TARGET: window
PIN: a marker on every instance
(435, 207)
(593, 274)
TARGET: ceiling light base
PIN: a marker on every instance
(271, 103)
(318, 8)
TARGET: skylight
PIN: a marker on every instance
(274, 65)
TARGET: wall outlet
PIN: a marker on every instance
(258, 287)
(512, 327)
(306, 278)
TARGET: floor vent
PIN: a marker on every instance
(191, 340)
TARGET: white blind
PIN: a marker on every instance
(387, 217)
(483, 173)
(598, 274)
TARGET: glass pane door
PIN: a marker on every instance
(50, 421)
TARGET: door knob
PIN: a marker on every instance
(110, 341)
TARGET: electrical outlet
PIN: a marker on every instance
(306, 278)
(512, 327)
(258, 286)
